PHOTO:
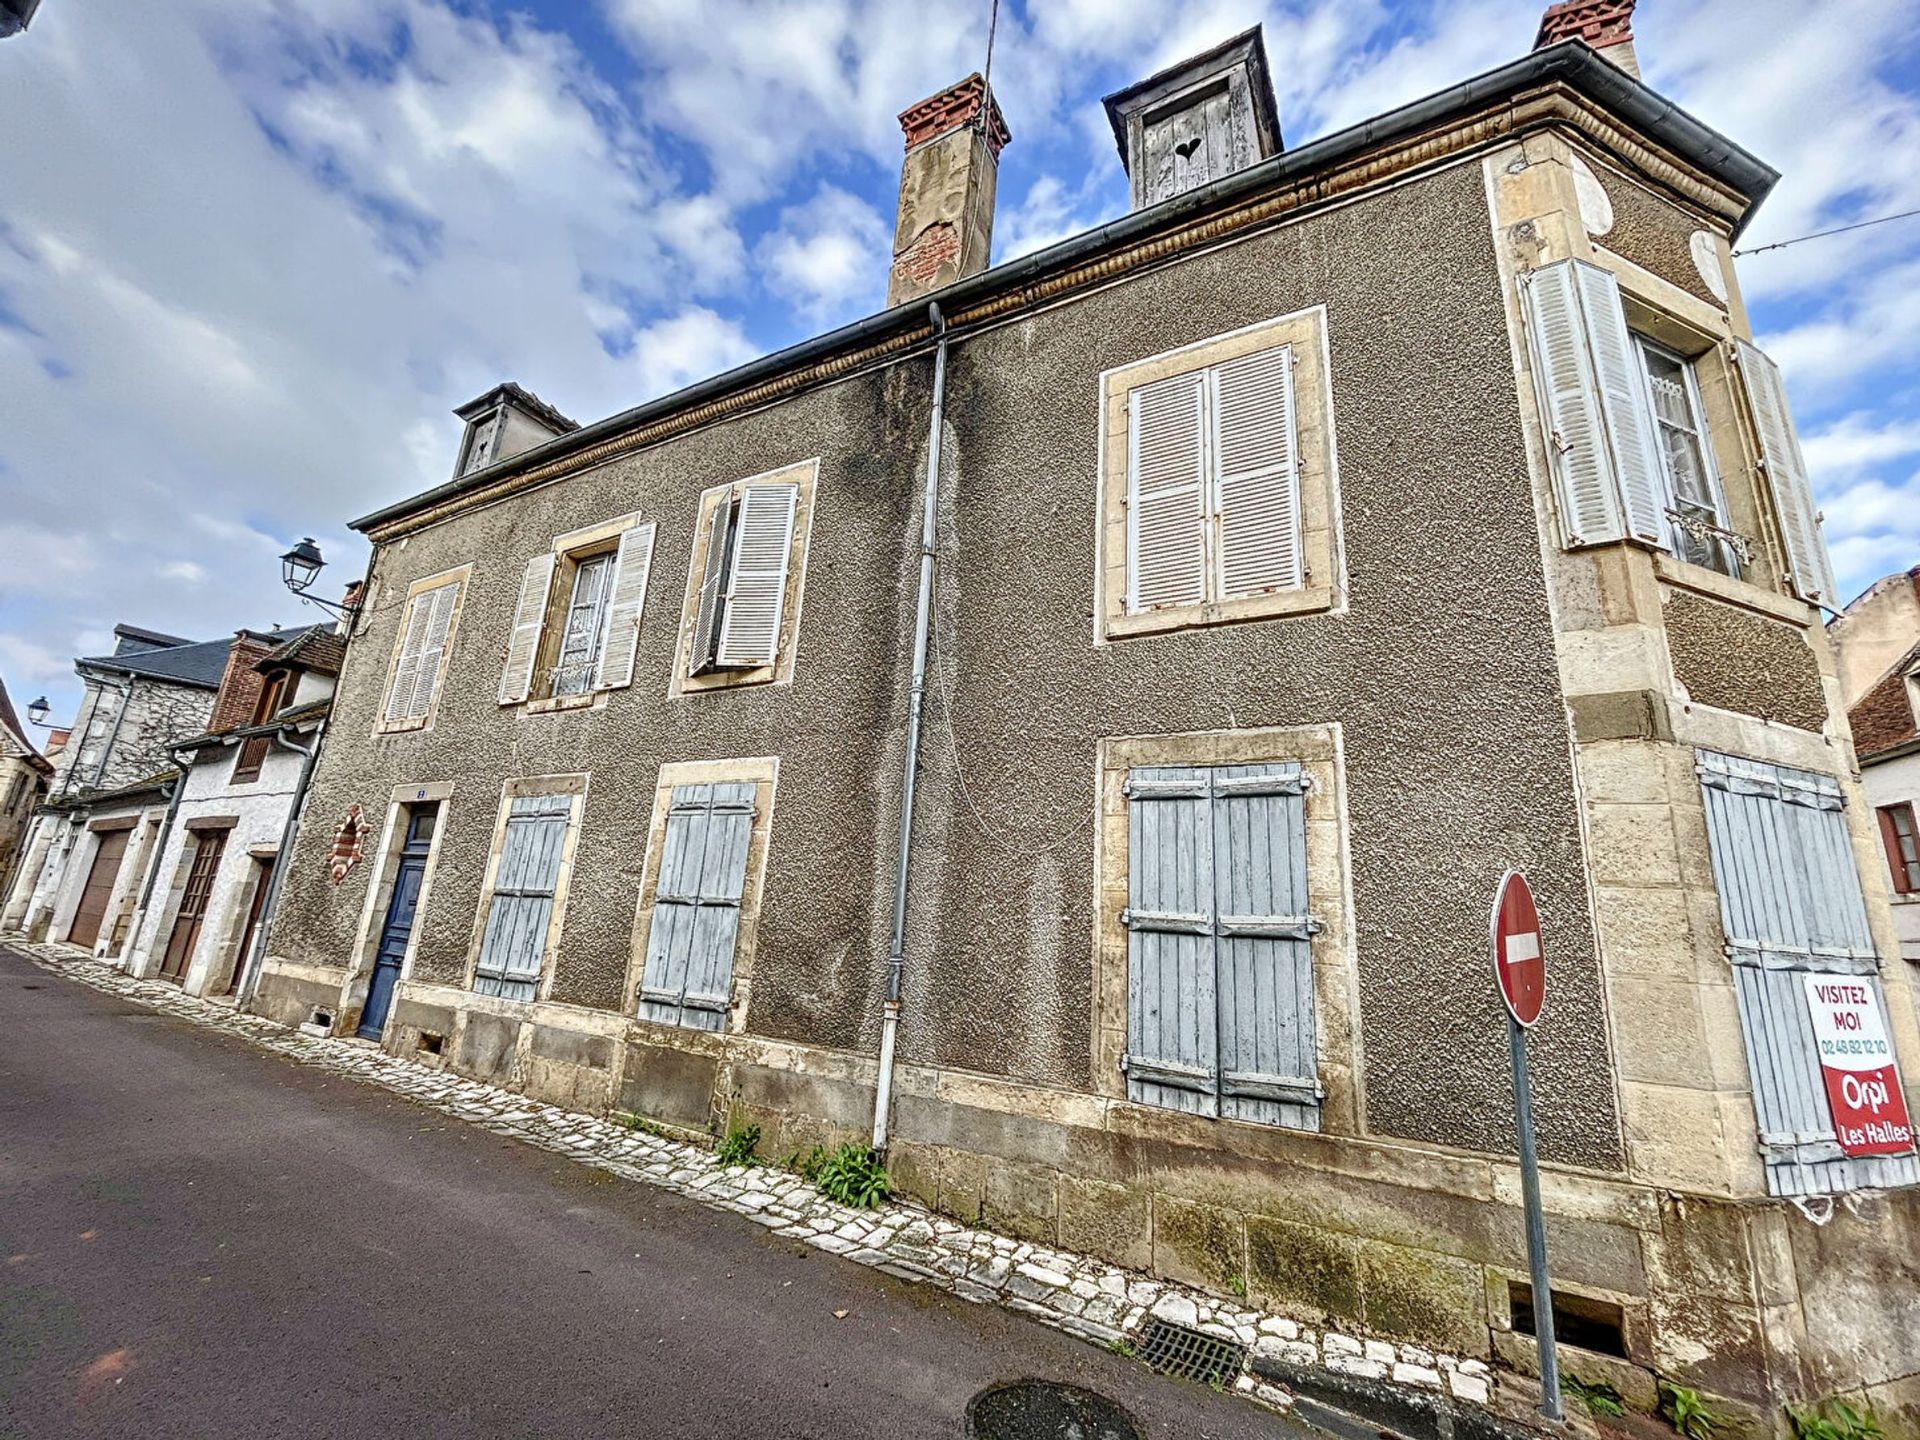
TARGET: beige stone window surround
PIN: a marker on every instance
(1304, 334)
(763, 773)
(458, 576)
(386, 865)
(574, 785)
(804, 475)
(601, 542)
(1318, 749)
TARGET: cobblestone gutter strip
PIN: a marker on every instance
(1083, 1296)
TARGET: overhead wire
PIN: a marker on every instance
(1822, 234)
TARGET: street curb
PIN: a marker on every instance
(1082, 1296)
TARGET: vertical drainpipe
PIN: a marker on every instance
(139, 917)
(922, 627)
(289, 832)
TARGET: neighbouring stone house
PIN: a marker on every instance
(89, 856)
(24, 773)
(1877, 642)
(1344, 526)
(242, 782)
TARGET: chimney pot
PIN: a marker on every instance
(1606, 25)
(944, 231)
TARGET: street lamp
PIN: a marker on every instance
(37, 711)
(299, 566)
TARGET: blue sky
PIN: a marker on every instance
(252, 252)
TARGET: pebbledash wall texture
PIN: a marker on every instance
(1426, 700)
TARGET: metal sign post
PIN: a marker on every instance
(1520, 967)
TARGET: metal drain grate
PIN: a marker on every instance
(1191, 1354)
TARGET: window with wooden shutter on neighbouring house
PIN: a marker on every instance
(426, 630)
(695, 929)
(513, 948)
(1810, 570)
(1902, 846)
(1220, 986)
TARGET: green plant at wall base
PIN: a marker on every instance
(851, 1176)
(1840, 1421)
(629, 1120)
(1689, 1414)
(805, 1163)
(1120, 1345)
(1238, 1285)
(1600, 1398)
(738, 1147)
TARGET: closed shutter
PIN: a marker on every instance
(1600, 431)
(433, 645)
(706, 617)
(1219, 944)
(406, 668)
(629, 597)
(1811, 571)
(1268, 1059)
(513, 949)
(1790, 905)
(688, 979)
(1166, 494)
(1257, 474)
(757, 587)
(529, 615)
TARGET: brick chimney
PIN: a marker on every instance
(945, 229)
(1606, 25)
(239, 691)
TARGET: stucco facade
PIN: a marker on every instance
(1464, 694)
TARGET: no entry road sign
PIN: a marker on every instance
(1519, 962)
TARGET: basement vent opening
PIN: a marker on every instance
(432, 1043)
(1580, 1320)
(322, 1017)
(1191, 1354)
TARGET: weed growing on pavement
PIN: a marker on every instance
(851, 1176)
(1120, 1345)
(631, 1120)
(738, 1146)
(1839, 1421)
(1600, 1398)
(1689, 1414)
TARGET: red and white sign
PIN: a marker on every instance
(1863, 1084)
(1519, 962)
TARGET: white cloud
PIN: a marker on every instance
(187, 572)
(829, 257)
(682, 348)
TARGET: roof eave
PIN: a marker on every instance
(1571, 61)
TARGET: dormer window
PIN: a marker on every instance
(502, 423)
(1197, 122)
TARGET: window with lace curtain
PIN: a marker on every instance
(1695, 507)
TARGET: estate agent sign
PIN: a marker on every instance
(1856, 1060)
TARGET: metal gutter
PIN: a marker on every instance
(1571, 61)
(916, 704)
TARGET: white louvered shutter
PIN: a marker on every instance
(757, 585)
(1590, 510)
(1166, 493)
(705, 645)
(529, 614)
(1256, 471)
(406, 669)
(1626, 404)
(1812, 570)
(628, 598)
(433, 645)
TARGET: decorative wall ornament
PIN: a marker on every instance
(1596, 208)
(348, 841)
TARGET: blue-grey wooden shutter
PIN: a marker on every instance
(513, 950)
(1790, 905)
(688, 979)
(1269, 1066)
(1173, 1031)
(708, 613)
(1219, 956)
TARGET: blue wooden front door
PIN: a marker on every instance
(399, 923)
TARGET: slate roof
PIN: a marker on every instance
(525, 399)
(83, 799)
(199, 663)
(311, 711)
(144, 639)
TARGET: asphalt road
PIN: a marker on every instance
(201, 1239)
